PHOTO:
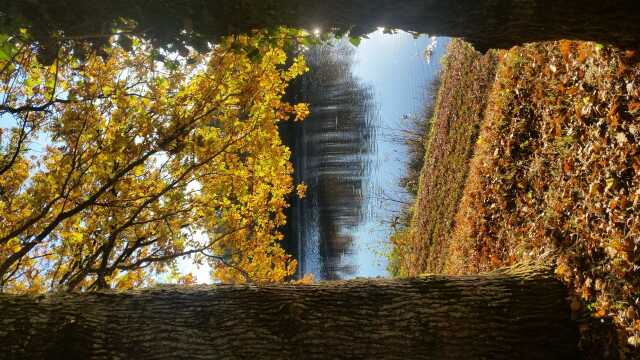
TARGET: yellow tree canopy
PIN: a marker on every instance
(114, 166)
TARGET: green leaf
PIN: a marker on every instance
(355, 41)
(4, 56)
(325, 36)
(306, 41)
(340, 33)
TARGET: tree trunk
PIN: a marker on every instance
(513, 314)
(486, 24)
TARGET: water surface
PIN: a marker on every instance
(347, 152)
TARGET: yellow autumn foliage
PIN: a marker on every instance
(112, 167)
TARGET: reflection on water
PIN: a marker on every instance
(330, 153)
(344, 151)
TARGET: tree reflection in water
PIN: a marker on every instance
(330, 153)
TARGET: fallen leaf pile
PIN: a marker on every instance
(556, 175)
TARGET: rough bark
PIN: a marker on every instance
(515, 314)
(485, 23)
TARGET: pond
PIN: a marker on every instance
(348, 152)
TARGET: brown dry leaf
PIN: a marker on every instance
(621, 138)
(634, 106)
(567, 167)
(614, 115)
